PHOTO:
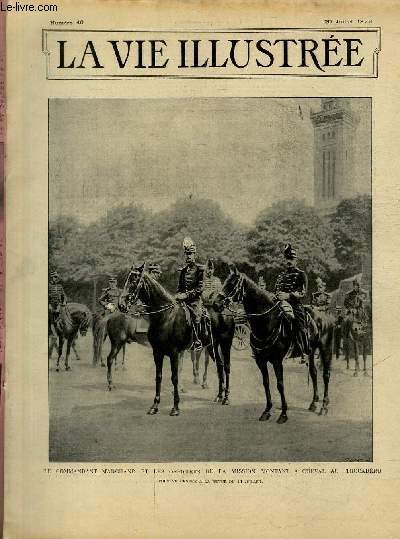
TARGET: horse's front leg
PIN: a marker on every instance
(204, 385)
(158, 360)
(364, 352)
(346, 345)
(326, 356)
(175, 382)
(74, 349)
(263, 366)
(220, 371)
(60, 349)
(314, 378)
(195, 357)
(115, 348)
(123, 356)
(226, 355)
(69, 343)
(356, 362)
(278, 368)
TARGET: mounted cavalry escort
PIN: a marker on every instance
(222, 333)
(321, 299)
(66, 320)
(356, 326)
(109, 298)
(278, 323)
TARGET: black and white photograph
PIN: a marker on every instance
(210, 279)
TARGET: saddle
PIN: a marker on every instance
(299, 338)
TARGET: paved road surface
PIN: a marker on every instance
(89, 423)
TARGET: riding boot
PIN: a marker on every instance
(197, 346)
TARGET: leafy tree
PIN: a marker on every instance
(302, 226)
(352, 229)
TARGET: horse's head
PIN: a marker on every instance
(133, 288)
(232, 289)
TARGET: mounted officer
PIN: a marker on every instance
(211, 284)
(57, 299)
(321, 298)
(290, 289)
(109, 297)
(355, 302)
(191, 287)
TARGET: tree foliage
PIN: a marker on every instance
(330, 247)
(352, 232)
(302, 226)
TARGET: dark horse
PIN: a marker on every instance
(73, 318)
(271, 341)
(222, 331)
(121, 329)
(356, 337)
(170, 330)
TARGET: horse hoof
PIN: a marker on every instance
(323, 411)
(68, 368)
(174, 412)
(78, 358)
(182, 390)
(57, 369)
(196, 381)
(355, 374)
(124, 368)
(204, 385)
(218, 398)
(312, 407)
(366, 373)
(103, 365)
(153, 410)
(282, 419)
(225, 401)
(264, 416)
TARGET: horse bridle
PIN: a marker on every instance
(139, 287)
(238, 292)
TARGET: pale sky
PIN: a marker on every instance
(243, 153)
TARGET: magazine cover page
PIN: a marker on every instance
(201, 270)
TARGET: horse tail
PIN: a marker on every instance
(99, 334)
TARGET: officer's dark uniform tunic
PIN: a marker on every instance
(292, 280)
(56, 298)
(56, 294)
(191, 283)
(354, 304)
(321, 299)
(110, 295)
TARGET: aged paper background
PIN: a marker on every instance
(43, 505)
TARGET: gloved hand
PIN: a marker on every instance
(181, 296)
(282, 296)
